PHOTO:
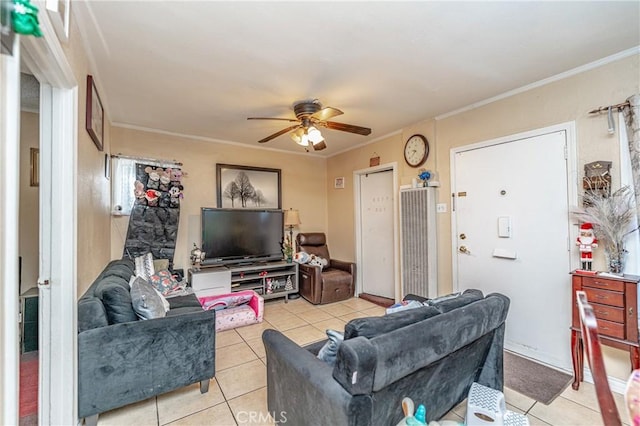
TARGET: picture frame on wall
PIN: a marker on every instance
(94, 122)
(245, 187)
(338, 183)
(34, 167)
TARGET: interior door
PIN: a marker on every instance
(376, 204)
(512, 226)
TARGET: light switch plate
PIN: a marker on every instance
(441, 207)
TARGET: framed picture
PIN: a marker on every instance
(339, 183)
(95, 115)
(243, 187)
(34, 167)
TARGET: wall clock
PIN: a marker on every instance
(416, 150)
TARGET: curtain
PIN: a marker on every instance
(632, 241)
(631, 115)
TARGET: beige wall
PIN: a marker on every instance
(29, 202)
(93, 194)
(303, 178)
(566, 100)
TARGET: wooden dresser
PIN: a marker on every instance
(614, 301)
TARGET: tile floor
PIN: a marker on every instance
(237, 395)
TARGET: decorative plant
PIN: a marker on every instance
(287, 247)
(611, 217)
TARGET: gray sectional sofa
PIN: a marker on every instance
(431, 354)
(122, 360)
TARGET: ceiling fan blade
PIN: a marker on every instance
(319, 146)
(326, 113)
(292, 120)
(347, 128)
(281, 132)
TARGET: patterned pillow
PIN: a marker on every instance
(144, 266)
(146, 301)
(164, 282)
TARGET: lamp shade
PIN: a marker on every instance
(291, 218)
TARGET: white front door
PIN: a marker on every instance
(511, 235)
(377, 239)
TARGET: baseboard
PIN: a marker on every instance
(616, 385)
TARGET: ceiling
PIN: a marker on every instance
(200, 68)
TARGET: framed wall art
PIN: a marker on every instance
(34, 167)
(244, 187)
(95, 115)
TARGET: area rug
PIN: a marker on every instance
(533, 379)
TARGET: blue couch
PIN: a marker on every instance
(122, 360)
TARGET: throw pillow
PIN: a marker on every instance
(329, 351)
(164, 282)
(144, 266)
(146, 301)
(160, 264)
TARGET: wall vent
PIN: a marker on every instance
(418, 243)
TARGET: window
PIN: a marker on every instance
(123, 182)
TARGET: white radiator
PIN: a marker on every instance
(418, 244)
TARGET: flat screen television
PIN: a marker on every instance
(241, 236)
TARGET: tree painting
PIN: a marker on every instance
(241, 187)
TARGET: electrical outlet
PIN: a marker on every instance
(441, 207)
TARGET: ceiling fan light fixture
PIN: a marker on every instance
(314, 135)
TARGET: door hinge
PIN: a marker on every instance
(453, 201)
(43, 283)
(566, 151)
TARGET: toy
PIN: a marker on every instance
(152, 197)
(176, 175)
(165, 179)
(586, 243)
(632, 397)
(176, 193)
(154, 177)
(197, 257)
(317, 261)
(419, 418)
(301, 257)
(138, 190)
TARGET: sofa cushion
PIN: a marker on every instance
(91, 314)
(146, 301)
(118, 269)
(447, 303)
(187, 300)
(329, 351)
(375, 326)
(117, 304)
(107, 282)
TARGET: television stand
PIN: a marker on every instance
(269, 279)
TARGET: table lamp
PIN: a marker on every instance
(291, 220)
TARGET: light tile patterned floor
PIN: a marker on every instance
(238, 393)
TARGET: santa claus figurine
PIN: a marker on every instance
(586, 243)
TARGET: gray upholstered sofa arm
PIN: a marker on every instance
(297, 378)
(128, 362)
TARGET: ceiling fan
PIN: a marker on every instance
(309, 116)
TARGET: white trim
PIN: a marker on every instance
(578, 70)
(47, 61)
(572, 183)
(9, 214)
(358, 223)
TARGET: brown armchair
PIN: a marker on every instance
(334, 282)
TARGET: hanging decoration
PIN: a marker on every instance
(24, 18)
(153, 225)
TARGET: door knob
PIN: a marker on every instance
(464, 249)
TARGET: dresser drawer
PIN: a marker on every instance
(612, 329)
(602, 283)
(608, 313)
(611, 298)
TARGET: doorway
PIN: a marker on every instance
(512, 234)
(376, 231)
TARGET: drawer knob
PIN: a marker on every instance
(606, 284)
(603, 313)
(599, 296)
(630, 311)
